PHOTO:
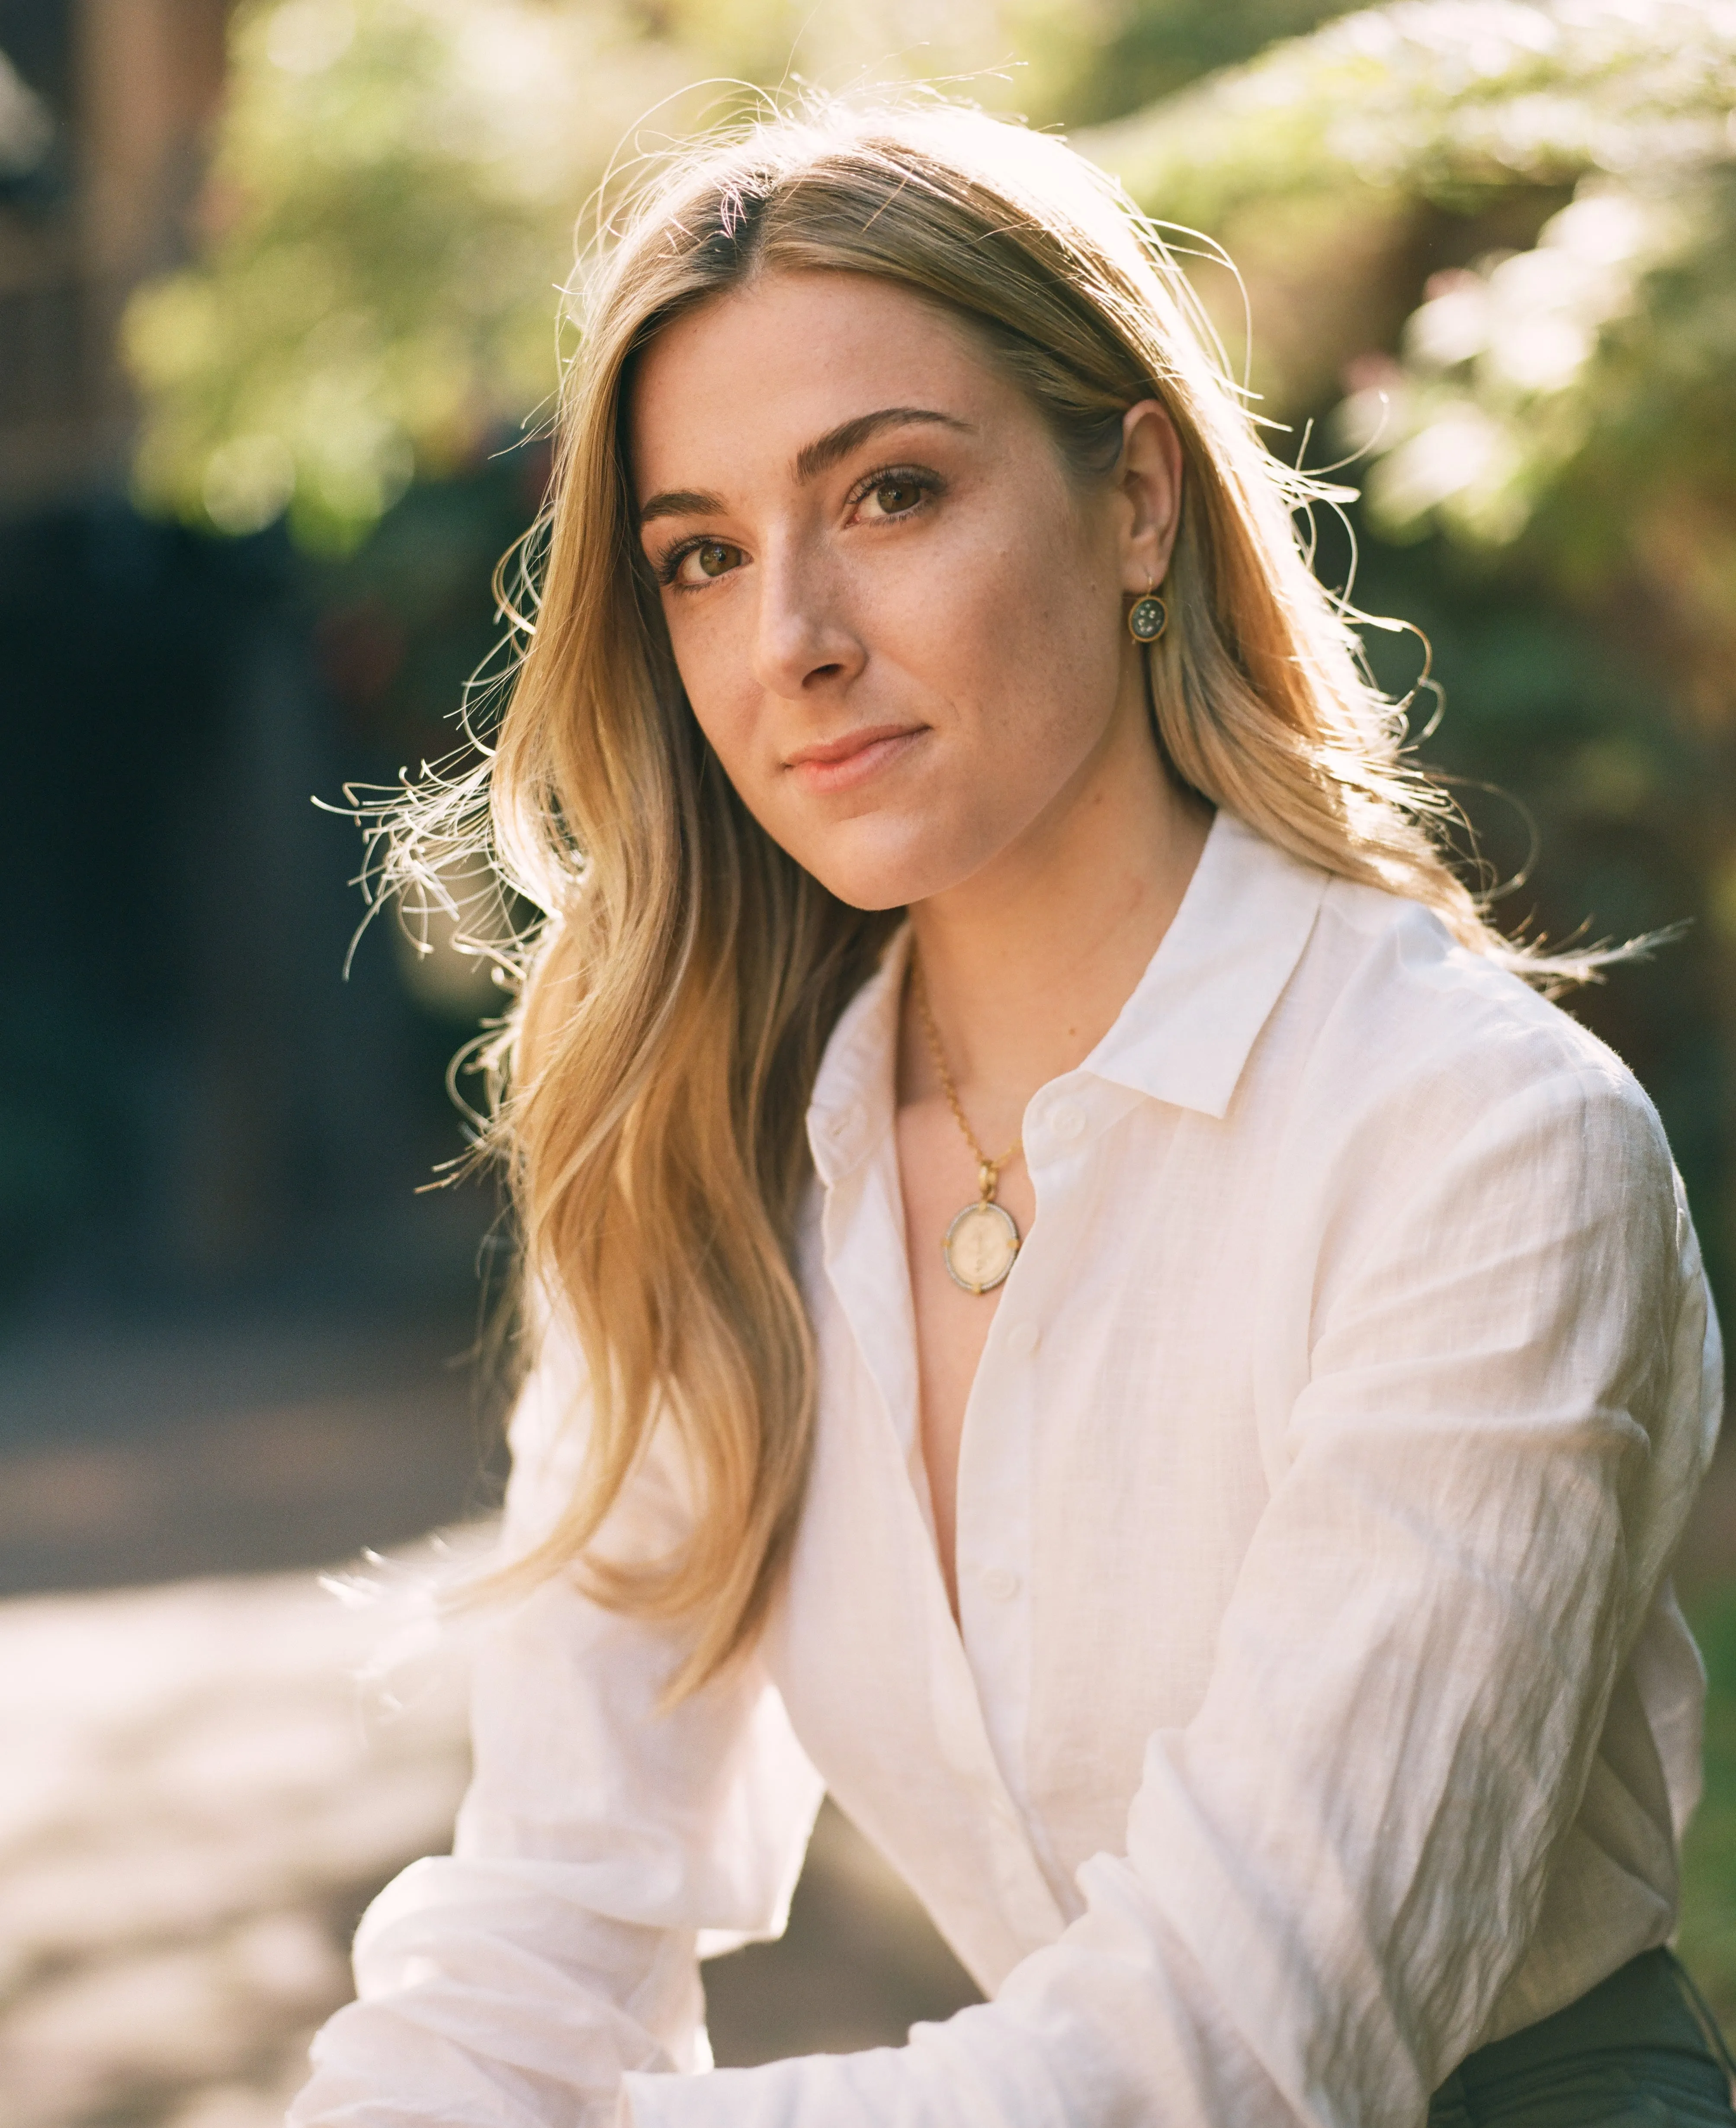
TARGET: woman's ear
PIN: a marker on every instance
(1149, 478)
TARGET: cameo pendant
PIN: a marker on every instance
(980, 1245)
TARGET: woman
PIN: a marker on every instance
(1085, 1304)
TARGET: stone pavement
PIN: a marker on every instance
(197, 1798)
(195, 1803)
(197, 1794)
(166, 1452)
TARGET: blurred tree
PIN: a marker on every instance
(1510, 225)
(395, 195)
(1507, 223)
(1596, 358)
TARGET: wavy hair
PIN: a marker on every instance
(651, 1085)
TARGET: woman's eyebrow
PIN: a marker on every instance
(811, 460)
(825, 451)
(680, 502)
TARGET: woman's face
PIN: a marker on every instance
(897, 616)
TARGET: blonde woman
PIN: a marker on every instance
(1085, 1302)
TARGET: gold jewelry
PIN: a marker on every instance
(982, 1240)
(1149, 618)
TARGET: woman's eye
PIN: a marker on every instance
(710, 559)
(893, 498)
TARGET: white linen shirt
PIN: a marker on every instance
(1319, 1709)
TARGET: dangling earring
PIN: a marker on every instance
(1149, 618)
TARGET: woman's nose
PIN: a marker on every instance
(804, 639)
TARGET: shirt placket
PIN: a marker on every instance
(861, 1236)
(997, 1505)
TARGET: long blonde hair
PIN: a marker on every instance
(686, 973)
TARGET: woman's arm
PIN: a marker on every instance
(1332, 1871)
(512, 1982)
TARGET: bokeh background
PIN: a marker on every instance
(278, 331)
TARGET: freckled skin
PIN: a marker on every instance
(949, 591)
(974, 620)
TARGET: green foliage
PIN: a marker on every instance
(1091, 64)
(1447, 98)
(385, 212)
(1708, 1937)
(26, 131)
(1579, 386)
(1606, 352)
(1510, 227)
(398, 182)
(1509, 222)
(391, 210)
(1575, 390)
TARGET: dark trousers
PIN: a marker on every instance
(1635, 2052)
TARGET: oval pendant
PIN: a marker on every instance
(979, 1247)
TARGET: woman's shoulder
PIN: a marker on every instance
(1440, 1097)
(1420, 1023)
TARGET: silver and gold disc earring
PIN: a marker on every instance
(1149, 618)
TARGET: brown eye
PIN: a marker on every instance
(703, 563)
(896, 497)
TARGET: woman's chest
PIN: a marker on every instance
(1109, 1474)
(940, 1189)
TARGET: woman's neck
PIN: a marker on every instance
(1027, 964)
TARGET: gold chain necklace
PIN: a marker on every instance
(982, 1240)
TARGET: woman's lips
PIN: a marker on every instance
(842, 763)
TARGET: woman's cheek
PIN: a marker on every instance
(706, 667)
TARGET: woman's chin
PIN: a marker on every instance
(874, 878)
(865, 890)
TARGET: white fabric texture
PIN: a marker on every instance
(1320, 1709)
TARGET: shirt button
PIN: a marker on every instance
(1066, 1121)
(1001, 1583)
(1021, 1341)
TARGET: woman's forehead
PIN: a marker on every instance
(766, 372)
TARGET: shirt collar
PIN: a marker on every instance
(853, 1091)
(1185, 1033)
(1182, 1036)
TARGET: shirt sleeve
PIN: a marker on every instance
(602, 1846)
(1333, 1870)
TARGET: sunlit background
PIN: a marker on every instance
(278, 329)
